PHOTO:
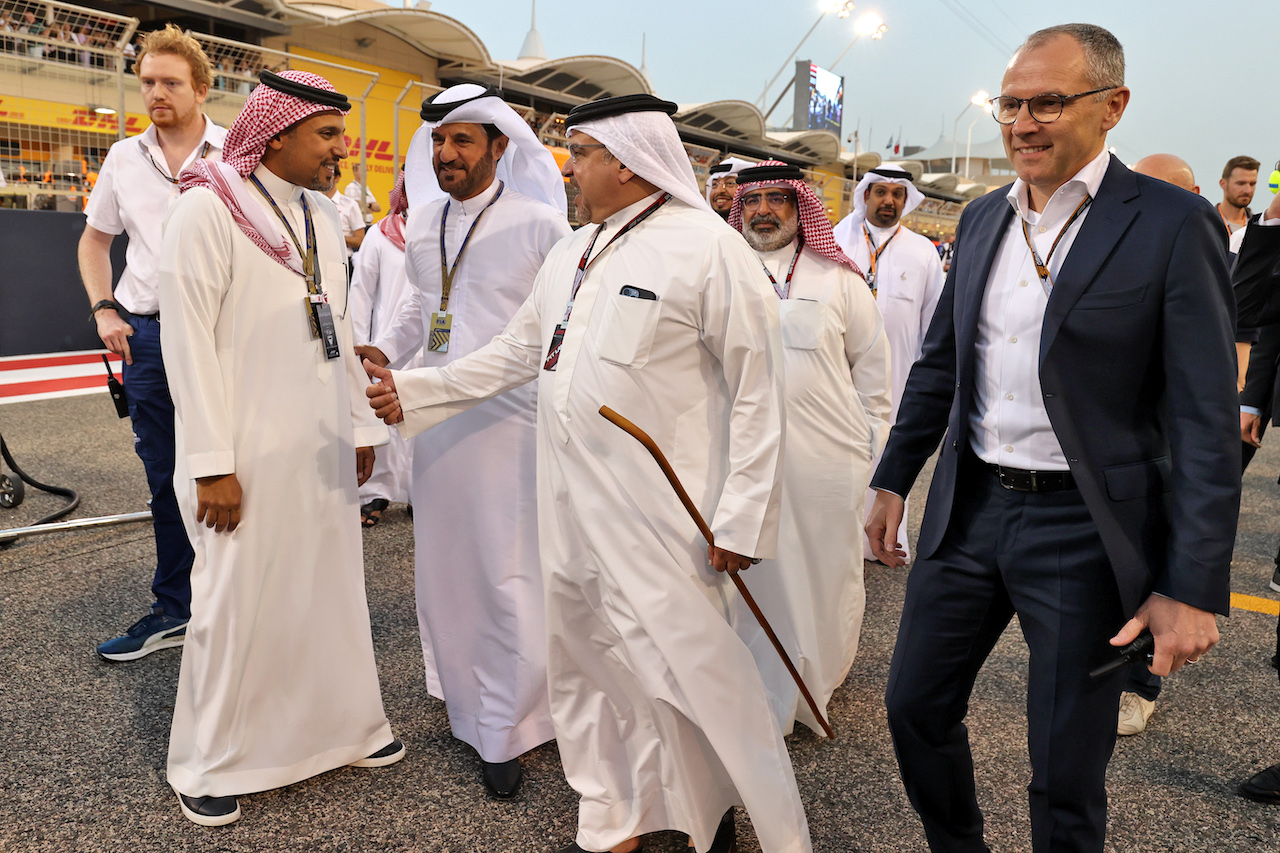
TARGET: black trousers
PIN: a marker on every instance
(1036, 554)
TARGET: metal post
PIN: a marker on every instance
(395, 123)
(13, 534)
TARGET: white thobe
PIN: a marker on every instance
(837, 380)
(909, 281)
(278, 681)
(475, 520)
(379, 289)
(660, 712)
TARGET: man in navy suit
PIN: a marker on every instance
(1081, 363)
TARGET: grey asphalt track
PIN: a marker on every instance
(86, 740)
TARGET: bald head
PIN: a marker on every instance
(1168, 168)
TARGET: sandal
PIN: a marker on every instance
(371, 513)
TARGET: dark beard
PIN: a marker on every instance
(476, 178)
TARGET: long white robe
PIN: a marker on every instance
(837, 379)
(475, 521)
(909, 281)
(379, 289)
(660, 712)
(278, 681)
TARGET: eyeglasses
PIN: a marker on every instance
(1044, 108)
(776, 200)
(575, 150)
(728, 183)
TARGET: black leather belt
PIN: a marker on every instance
(1019, 480)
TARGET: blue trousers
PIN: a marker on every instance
(151, 410)
(1036, 554)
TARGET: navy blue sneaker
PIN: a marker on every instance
(151, 633)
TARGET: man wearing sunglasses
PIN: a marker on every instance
(1080, 364)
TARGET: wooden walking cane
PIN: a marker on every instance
(643, 437)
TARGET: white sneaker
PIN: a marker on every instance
(1134, 713)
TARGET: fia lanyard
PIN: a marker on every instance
(581, 272)
(1042, 267)
(309, 271)
(447, 273)
(875, 253)
(204, 152)
(785, 290)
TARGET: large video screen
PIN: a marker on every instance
(819, 99)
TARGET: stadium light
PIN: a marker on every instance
(980, 97)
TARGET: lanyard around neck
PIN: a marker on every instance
(1042, 267)
(784, 291)
(204, 152)
(446, 272)
(309, 271)
(583, 263)
(874, 253)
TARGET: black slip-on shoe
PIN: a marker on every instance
(389, 754)
(209, 811)
(1262, 787)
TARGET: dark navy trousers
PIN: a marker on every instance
(151, 410)
(1037, 555)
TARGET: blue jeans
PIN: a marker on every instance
(151, 410)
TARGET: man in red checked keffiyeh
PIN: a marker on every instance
(278, 681)
(836, 360)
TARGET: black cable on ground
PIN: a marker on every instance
(73, 498)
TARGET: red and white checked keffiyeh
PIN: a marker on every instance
(392, 225)
(815, 228)
(266, 113)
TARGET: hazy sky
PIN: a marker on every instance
(1199, 71)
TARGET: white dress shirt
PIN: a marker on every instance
(1008, 421)
(133, 193)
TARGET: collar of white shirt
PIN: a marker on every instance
(471, 207)
(1066, 197)
(280, 189)
(213, 134)
(779, 257)
(631, 211)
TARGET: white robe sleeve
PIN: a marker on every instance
(737, 295)
(195, 276)
(866, 346)
(364, 284)
(933, 281)
(401, 335)
(431, 395)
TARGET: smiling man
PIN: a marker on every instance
(722, 181)
(1081, 366)
(471, 257)
(836, 359)
(278, 681)
(137, 183)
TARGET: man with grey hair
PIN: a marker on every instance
(1080, 366)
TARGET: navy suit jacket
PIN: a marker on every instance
(1137, 369)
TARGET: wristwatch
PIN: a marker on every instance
(104, 303)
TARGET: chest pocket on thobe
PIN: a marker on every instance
(801, 321)
(627, 329)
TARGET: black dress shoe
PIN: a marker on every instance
(1262, 787)
(502, 779)
(210, 811)
(726, 840)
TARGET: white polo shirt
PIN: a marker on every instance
(350, 214)
(132, 195)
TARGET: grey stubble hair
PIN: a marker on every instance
(1103, 53)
